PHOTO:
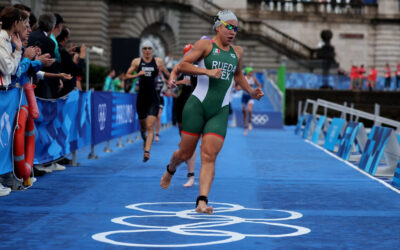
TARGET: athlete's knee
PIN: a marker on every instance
(208, 156)
(184, 154)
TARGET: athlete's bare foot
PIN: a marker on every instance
(190, 182)
(166, 180)
(250, 126)
(245, 131)
(157, 138)
(202, 208)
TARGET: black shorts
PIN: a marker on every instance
(161, 102)
(145, 108)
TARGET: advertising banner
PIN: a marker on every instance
(8, 109)
(123, 114)
(348, 140)
(63, 126)
(374, 149)
(332, 137)
(101, 116)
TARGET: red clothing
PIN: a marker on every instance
(373, 73)
(361, 72)
(398, 70)
(353, 72)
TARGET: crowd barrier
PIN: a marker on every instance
(315, 81)
(70, 123)
(376, 150)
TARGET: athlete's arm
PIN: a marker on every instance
(160, 65)
(134, 66)
(199, 51)
(241, 80)
(257, 82)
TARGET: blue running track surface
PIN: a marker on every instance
(272, 190)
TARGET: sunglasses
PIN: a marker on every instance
(146, 48)
(229, 26)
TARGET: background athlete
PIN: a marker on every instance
(206, 111)
(148, 103)
(247, 102)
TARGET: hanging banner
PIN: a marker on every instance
(63, 126)
(8, 109)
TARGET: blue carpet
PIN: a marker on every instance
(272, 190)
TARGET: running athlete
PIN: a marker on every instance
(159, 88)
(206, 111)
(247, 102)
(186, 84)
(148, 103)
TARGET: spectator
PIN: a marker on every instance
(361, 77)
(371, 79)
(108, 83)
(54, 33)
(12, 24)
(353, 77)
(72, 62)
(47, 88)
(118, 82)
(388, 76)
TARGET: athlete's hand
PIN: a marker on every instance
(214, 73)
(142, 73)
(257, 93)
(171, 83)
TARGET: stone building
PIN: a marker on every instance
(269, 31)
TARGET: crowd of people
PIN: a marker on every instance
(35, 54)
(359, 77)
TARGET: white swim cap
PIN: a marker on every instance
(223, 15)
(147, 43)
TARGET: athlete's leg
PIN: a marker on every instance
(186, 149)
(210, 147)
(192, 127)
(142, 123)
(150, 131)
(190, 163)
(158, 125)
(244, 111)
(213, 139)
(250, 113)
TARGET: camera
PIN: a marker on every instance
(77, 50)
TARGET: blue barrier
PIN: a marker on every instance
(299, 124)
(373, 152)
(314, 81)
(332, 137)
(318, 128)
(348, 140)
(63, 126)
(67, 124)
(8, 109)
(396, 177)
(101, 116)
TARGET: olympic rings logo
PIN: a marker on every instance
(198, 224)
(102, 115)
(259, 119)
